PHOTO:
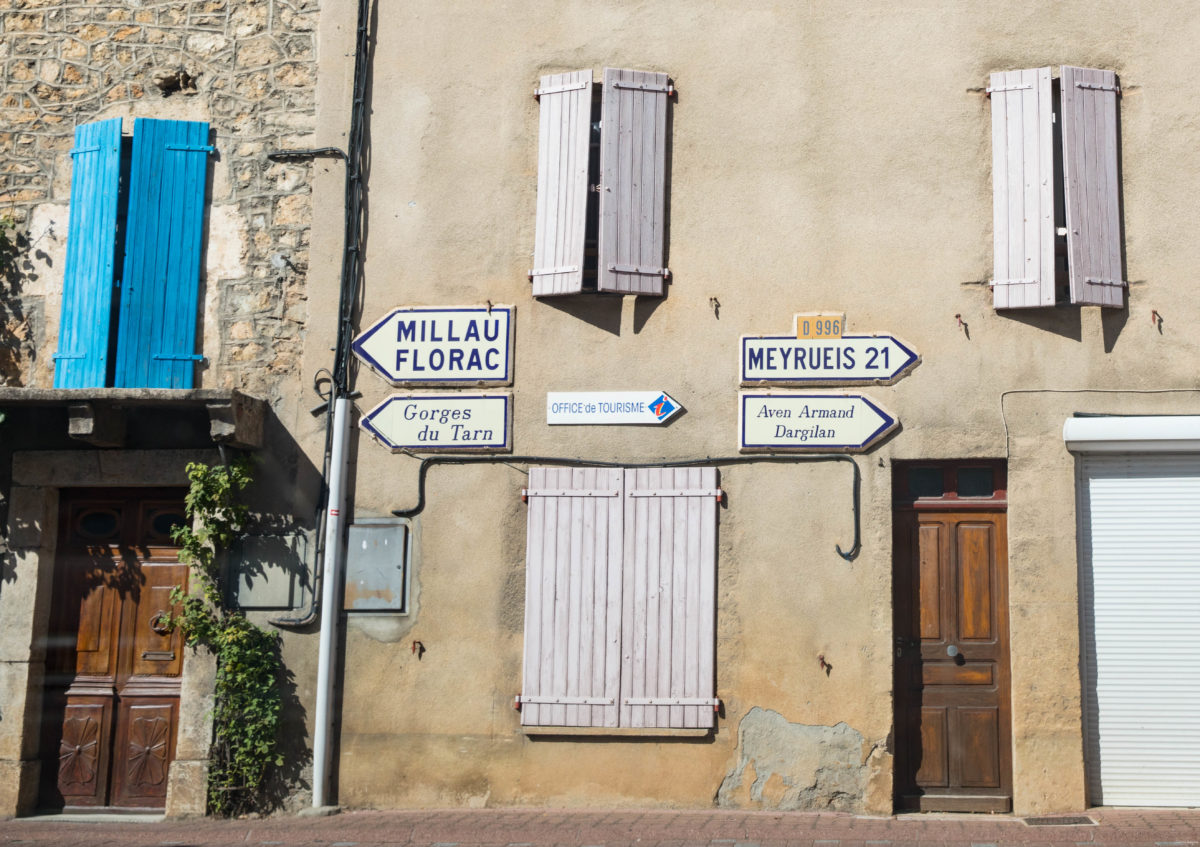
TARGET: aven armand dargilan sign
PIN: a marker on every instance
(809, 422)
(450, 345)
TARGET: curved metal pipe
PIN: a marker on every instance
(429, 461)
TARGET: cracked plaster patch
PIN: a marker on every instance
(820, 767)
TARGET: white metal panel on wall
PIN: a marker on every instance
(1139, 517)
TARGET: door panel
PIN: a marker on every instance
(953, 734)
(145, 746)
(113, 669)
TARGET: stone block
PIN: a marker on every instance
(32, 516)
(20, 709)
(187, 784)
(18, 787)
(24, 605)
(194, 735)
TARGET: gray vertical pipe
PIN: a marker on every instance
(335, 551)
(331, 578)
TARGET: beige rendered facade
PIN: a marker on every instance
(831, 157)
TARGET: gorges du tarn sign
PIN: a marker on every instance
(449, 345)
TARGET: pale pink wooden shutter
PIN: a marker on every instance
(1089, 136)
(564, 132)
(572, 597)
(633, 170)
(669, 597)
(1022, 189)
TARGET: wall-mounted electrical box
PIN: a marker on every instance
(378, 552)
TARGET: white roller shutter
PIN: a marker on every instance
(1140, 597)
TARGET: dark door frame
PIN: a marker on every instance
(942, 487)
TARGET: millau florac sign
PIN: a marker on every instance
(451, 346)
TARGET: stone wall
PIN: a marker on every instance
(248, 69)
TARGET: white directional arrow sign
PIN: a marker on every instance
(448, 422)
(591, 408)
(452, 345)
(850, 360)
(816, 422)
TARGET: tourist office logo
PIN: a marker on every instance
(601, 408)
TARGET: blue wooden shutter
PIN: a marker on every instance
(83, 333)
(156, 337)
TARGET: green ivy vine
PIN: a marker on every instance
(247, 706)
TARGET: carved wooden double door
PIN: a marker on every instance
(112, 666)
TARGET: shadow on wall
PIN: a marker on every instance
(289, 786)
(797, 767)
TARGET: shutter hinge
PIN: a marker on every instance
(641, 270)
(1111, 283)
(567, 701)
(179, 357)
(678, 492)
(667, 89)
(671, 701)
(192, 148)
(526, 493)
(565, 269)
(559, 89)
(999, 88)
(1098, 87)
(79, 151)
(996, 282)
(58, 356)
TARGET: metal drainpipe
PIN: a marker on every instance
(342, 399)
(334, 556)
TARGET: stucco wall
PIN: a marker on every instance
(829, 156)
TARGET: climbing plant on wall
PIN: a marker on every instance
(247, 703)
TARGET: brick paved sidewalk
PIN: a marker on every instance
(533, 828)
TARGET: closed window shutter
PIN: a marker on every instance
(1022, 189)
(669, 596)
(564, 134)
(1089, 135)
(84, 327)
(156, 340)
(633, 171)
(572, 598)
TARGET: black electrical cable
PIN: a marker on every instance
(351, 267)
(429, 461)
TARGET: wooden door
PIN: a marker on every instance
(113, 670)
(952, 724)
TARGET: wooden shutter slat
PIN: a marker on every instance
(564, 133)
(1091, 175)
(156, 337)
(572, 659)
(86, 317)
(668, 625)
(1022, 189)
(633, 182)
